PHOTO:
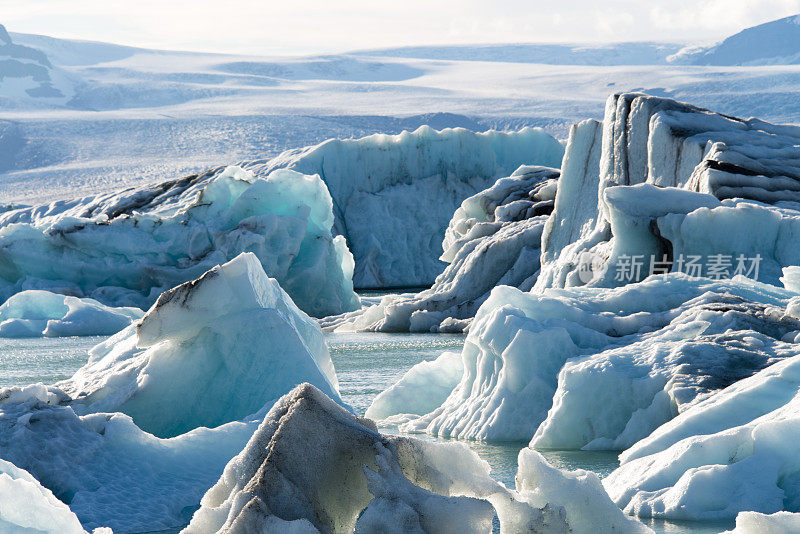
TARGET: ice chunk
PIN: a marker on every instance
(731, 453)
(494, 238)
(755, 523)
(27, 507)
(394, 195)
(314, 467)
(601, 368)
(126, 248)
(422, 389)
(212, 350)
(589, 508)
(36, 313)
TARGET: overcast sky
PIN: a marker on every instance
(318, 26)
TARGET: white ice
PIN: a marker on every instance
(35, 313)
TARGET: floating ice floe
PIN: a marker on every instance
(214, 352)
(314, 467)
(736, 451)
(125, 248)
(394, 195)
(26, 506)
(494, 238)
(35, 313)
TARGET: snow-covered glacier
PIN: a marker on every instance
(494, 238)
(201, 370)
(394, 195)
(34, 313)
(126, 248)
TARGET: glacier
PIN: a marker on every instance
(135, 438)
(126, 248)
(35, 313)
(494, 238)
(394, 195)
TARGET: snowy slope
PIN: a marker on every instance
(138, 115)
(772, 43)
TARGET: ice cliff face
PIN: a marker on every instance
(200, 370)
(494, 238)
(126, 248)
(671, 181)
(394, 195)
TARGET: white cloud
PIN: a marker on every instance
(310, 26)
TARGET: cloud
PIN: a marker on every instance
(318, 26)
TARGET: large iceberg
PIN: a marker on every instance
(214, 352)
(394, 195)
(494, 238)
(34, 313)
(664, 181)
(125, 248)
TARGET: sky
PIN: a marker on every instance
(330, 26)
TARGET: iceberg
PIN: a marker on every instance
(209, 351)
(734, 452)
(494, 238)
(126, 248)
(135, 438)
(314, 467)
(35, 313)
(26, 506)
(663, 180)
(394, 195)
(599, 368)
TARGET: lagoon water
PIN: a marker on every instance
(366, 364)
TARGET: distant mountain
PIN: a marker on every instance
(771, 43)
(643, 53)
(25, 72)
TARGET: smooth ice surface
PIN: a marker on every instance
(315, 466)
(735, 451)
(212, 350)
(493, 238)
(125, 248)
(35, 313)
(393, 195)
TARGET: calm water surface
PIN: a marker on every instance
(366, 364)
